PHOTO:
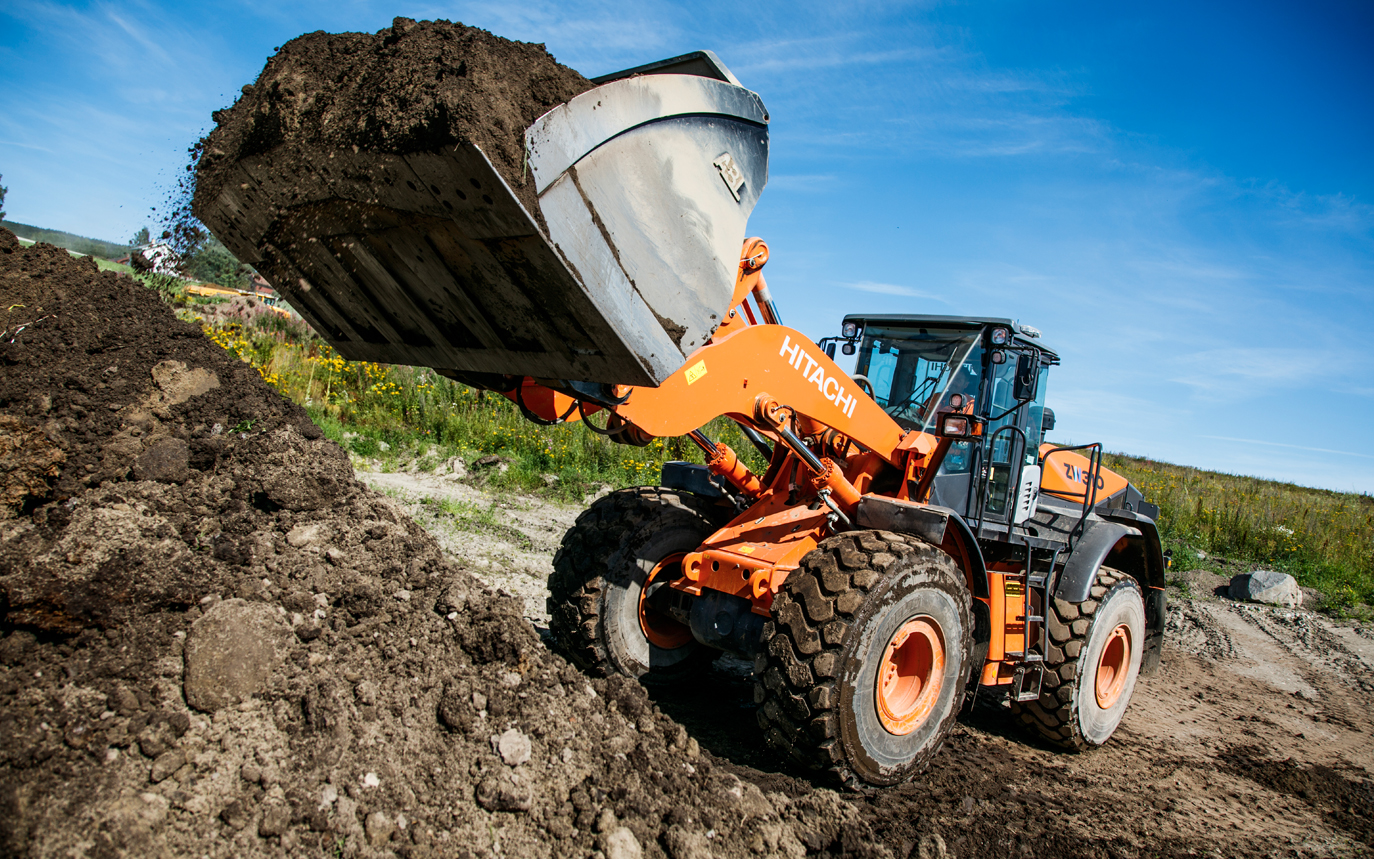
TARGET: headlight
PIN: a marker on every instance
(1000, 336)
(956, 426)
(850, 330)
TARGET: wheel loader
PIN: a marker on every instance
(912, 544)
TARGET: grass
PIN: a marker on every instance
(407, 417)
(1324, 539)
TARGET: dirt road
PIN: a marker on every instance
(1254, 739)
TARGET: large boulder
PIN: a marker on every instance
(1266, 586)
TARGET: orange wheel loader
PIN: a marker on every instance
(912, 542)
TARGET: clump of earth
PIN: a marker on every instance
(215, 641)
(416, 86)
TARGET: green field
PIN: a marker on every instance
(101, 263)
(411, 417)
(81, 244)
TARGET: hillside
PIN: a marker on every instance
(1222, 522)
(72, 242)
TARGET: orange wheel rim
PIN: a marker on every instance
(1113, 666)
(910, 675)
(662, 630)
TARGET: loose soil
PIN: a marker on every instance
(215, 640)
(1252, 740)
(415, 86)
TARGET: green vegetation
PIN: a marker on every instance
(1324, 539)
(405, 417)
(97, 248)
(408, 416)
(3, 192)
(211, 262)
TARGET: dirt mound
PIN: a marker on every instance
(415, 86)
(217, 642)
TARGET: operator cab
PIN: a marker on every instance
(993, 369)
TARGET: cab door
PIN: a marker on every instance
(1011, 438)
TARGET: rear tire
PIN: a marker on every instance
(1091, 666)
(623, 542)
(866, 658)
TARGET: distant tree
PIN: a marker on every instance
(212, 262)
(141, 238)
(3, 189)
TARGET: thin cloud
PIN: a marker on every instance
(1290, 446)
(893, 289)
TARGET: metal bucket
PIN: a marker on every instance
(646, 184)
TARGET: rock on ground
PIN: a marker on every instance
(1266, 586)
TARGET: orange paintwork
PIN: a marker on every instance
(910, 676)
(727, 376)
(661, 630)
(726, 463)
(1065, 475)
(548, 404)
(771, 378)
(1113, 667)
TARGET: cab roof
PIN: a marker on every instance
(1024, 333)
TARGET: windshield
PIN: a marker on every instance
(914, 371)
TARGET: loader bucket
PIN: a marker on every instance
(429, 259)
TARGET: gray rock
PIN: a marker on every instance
(379, 828)
(166, 461)
(621, 843)
(307, 536)
(166, 764)
(1266, 586)
(514, 748)
(683, 844)
(454, 469)
(232, 651)
(179, 384)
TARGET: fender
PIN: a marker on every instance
(938, 526)
(1076, 581)
(1147, 562)
(1143, 558)
(961, 536)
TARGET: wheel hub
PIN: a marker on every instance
(1113, 666)
(910, 675)
(662, 629)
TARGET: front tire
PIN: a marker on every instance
(1091, 666)
(620, 550)
(866, 658)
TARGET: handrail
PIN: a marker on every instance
(1089, 494)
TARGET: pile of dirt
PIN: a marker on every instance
(415, 86)
(217, 642)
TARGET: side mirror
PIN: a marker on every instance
(1027, 378)
(1047, 421)
(830, 350)
(847, 348)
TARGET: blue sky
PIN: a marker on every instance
(1178, 194)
